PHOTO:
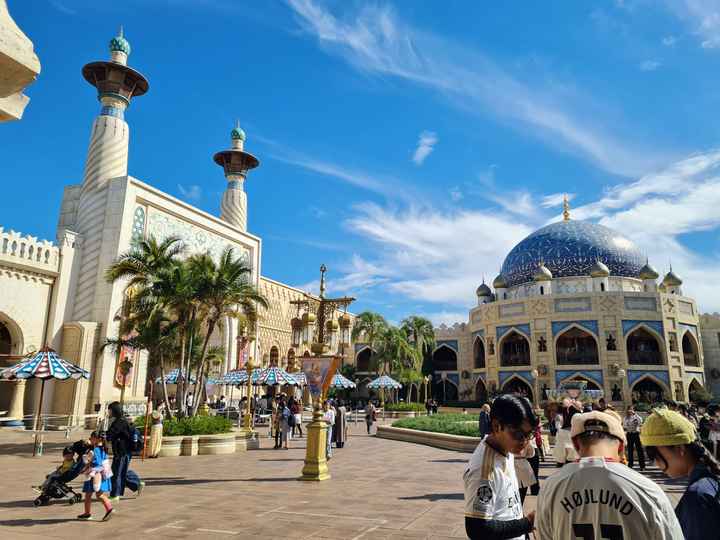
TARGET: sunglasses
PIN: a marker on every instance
(520, 435)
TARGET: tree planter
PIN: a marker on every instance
(189, 445)
(213, 445)
(402, 414)
(457, 443)
(171, 446)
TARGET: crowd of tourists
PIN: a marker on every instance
(596, 492)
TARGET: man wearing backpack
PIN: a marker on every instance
(124, 439)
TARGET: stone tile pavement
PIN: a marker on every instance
(380, 489)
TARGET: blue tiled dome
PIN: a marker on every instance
(571, 248)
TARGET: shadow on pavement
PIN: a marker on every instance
(290, 459)
(451, 460)
(22, 504)
(433, 497)
(186, 481)
(290, 479)
(32, 522)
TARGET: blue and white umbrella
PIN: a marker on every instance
(239, 376)
(384, 382)
(339, 381)
(44, 364)
(300, 377)
(275, 375)
(174, 376)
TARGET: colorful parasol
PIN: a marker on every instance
(384, 382)
(174, 376)
(275, 375)
(300, 377)
(339, 381)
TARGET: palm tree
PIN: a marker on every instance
(421, 334)
(224, 290)
(395, 351)
(144, 261)
(371, 326)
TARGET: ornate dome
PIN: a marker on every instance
(119, 43)
(599, 269)
(648, 272)
(483, 290)
(237, 134)
(569, 248)
(671, 280)
(499, 282)
(542, 273)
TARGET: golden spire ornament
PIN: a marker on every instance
(566, 208)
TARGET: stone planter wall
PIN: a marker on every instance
(214, 445)
(401, 414)
(171, 446)
(457, 443)
(193, 445)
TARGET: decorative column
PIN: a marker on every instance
(236, 163)
(17, 397)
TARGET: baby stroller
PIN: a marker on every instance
(56, 486)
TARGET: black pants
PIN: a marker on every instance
(297, 426)
(278, 440)
(633, 442)
(535, 464)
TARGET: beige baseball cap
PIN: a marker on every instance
(607, 422)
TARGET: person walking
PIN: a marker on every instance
(296, 410)
(120, 435)
(340, 433)
(97, 465)
(275, 423)
(189, 404)
(370, 415)
(598, 496)
(672, 443)
(284, 424)
(493, 510)
(564, 450)
(484, 420)
(329, 418)
(631, 425)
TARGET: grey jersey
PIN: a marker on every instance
(594, 499)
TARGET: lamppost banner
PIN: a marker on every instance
(319, 371)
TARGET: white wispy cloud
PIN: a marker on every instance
(669, 41)
(555, 199)
(62, 7)
(376, 42)
(439, 256)
(703, 18)
(426, 144)
(193, 192)
(650, 65)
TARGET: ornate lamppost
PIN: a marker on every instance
(320, 312)
(242, 341)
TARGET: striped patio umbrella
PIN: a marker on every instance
(275, 375)
(239, 376)
(300, 378)
(44, 364)
(339, 381)
(384, 382)
(174, 376)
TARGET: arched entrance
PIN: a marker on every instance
(481, 395)
(6, 341)
(690, 350)
(444, 359)
(514, 350)
(696, 392)
(444, 390)
(274, 356)
(478, 354)
(362, 360)
(11, 337)
(515, 385)
(647, 390)
(589, 384)
(643, 347)
(576, 346)
(291, 364)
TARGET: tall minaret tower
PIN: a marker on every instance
(236, 164)
(107, 159)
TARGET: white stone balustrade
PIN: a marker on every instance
(28, 252)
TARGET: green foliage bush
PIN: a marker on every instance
(404, 407)
(452, 424)
(197, 425)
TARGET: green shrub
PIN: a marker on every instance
(197, 425)
(452, 424)
(404, 407)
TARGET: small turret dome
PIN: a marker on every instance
(308, 318)
(483, 290)
(671, 280)
(599, 269)
(120, 44)
(648, 272)
(237, 134)
(542, 273)
(499, 282)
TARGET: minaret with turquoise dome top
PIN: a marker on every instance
(107, 158)
(236, 163)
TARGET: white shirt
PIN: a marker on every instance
(596, 499)
(329, 417)
(491, 487)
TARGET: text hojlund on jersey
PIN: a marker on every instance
(601, 496)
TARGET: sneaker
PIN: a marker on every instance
(85, 517)
(107, 515)
(140, 488)
(115, 499)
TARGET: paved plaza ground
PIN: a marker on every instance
(379, 489)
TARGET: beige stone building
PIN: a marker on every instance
(710, 331)
(574, 301)
(56, 293)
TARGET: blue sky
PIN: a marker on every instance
(408, 147)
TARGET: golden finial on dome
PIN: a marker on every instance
(566, 208)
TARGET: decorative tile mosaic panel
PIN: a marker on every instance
(195, 239)
(559, 326)
(569, 305)
(506, 375)
(634, 303)
(692, 328)
(627, 326)
(512, 310)
(480, 333)
(452, 343)
(569, 248)
(635, 375)
(522, 328)
(595, 375)
(138, 225)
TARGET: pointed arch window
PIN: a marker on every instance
(576, 346)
